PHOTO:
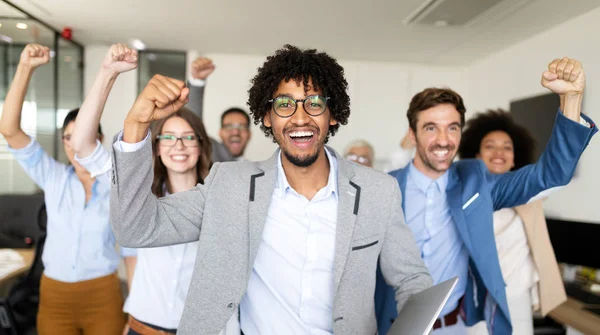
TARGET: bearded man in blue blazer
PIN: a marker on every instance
(449, 206)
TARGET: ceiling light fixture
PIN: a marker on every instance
(6, 39)
(138, 44)
(21, 25)
(0, 25)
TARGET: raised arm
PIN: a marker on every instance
(118, 59)
(570, 136)
(202, 67)
(32, 56)
(138, 218)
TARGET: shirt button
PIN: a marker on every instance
(174, 281)
(230, 305)
(170, 305)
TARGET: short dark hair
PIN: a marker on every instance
(292, 63)
(71, 116)
(497, 120)
(234, 110)
(431, 97)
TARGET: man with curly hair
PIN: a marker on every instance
(449, 205)
(291, 243)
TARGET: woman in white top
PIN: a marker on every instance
(526, 257)
(162, 276)
(181, 161)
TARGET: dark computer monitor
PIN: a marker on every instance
(537, 114)
(575, 242)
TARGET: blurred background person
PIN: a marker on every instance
(527, 261)
(361, 152)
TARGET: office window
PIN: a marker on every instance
(53, 87)
(167, 63)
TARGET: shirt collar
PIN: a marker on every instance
(423, 182)
(331, 187)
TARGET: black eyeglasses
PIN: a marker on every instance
(235, 126)
(285, 106)
(187, 140)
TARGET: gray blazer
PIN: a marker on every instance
(227, 215)
(220, 153)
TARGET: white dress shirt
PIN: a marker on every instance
(290, 290)
(160, 284)
(291, 286)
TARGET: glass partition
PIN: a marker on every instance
(54, 87)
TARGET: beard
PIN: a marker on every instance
(299, 161)
(432, 164)
(304, 160)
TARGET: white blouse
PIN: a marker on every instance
(516, 261)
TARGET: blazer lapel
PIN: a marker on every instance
(454, 197)
(262, 186)
(348, 208)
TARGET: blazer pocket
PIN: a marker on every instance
(364, 246)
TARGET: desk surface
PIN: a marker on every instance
(28, 255)
(572, 314)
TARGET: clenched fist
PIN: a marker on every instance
(34, 55)
(120, 58)
(161, 97)
(202, 68)
(564, 77)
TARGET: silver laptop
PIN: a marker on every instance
(422, 309)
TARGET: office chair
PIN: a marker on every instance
(22, 303)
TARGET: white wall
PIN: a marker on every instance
(516, 72)
(379, 94)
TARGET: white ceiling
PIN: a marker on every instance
(348, 29)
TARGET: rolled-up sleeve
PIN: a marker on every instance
(128, 252)
(98, 163)
(121, 146)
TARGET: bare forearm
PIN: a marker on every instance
(88, 119)
(134, 132)
(570, 104)
(10, 123)
(130, 263)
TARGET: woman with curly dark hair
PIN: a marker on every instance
(526, 257)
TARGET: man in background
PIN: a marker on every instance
(235, 122)
(361, 152)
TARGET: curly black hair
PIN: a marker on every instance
(497, 120)
(292, 63)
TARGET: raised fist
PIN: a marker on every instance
(202, 68)
(35, 55)
(564, 76)
(120, 58)
(161, 97)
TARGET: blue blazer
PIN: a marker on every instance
(474, 194)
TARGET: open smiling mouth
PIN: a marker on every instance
(179, 158)
(302, 138)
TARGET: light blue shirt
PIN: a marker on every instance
(428, 216)
(80, 244)
(291, 286)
